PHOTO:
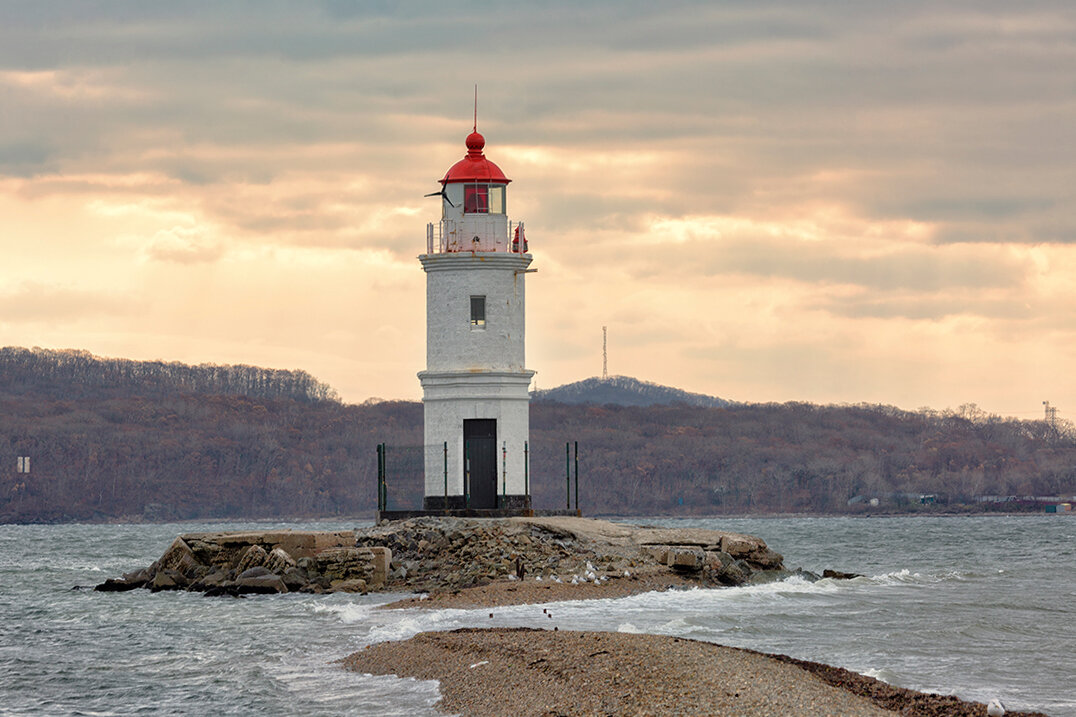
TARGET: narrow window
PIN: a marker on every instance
(476, 199)
(496, 199)
(478, 312)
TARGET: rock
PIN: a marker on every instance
(370, 564)
(113, 585)
(741, 546)
(260, 584)
(165, 580)
(213, 579)
(659, 553)
(765, 559)
(258, 571)
(686, 559)
(838, 575)
(357, 585)
(295, 578)
(735, 573)
(253, 556)
(278, 561)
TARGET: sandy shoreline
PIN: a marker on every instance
(525, 671)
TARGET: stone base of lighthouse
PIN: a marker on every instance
(472, 423)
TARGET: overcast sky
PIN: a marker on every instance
(769, 201)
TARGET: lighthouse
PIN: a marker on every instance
(475, 389)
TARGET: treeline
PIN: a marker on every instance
(69, 374)
(189, 455)
(797, 457)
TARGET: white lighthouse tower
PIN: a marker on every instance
(475, 389)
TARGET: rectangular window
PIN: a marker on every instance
(496, 199)
(476, 199)
(478, 312)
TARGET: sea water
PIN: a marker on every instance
(980, 607)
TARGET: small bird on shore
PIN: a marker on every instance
(994, 708)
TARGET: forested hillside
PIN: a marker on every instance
(144, 448)
(68, 374)
(625, 391)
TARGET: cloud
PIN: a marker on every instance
(764, 177)
(31, 302)
(183, 245)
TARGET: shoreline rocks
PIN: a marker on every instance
(438, 555)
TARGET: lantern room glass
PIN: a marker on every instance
(483, 199)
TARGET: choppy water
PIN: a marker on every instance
(978, 607)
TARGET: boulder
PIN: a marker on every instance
(741, 546)
(253, 556)
(295, 578)
(686, 559)
(166, 580)
(262, 583)
(214, 578)
(838, 575)
(278, 561)
(370, 564)
(113, 585)
(178, 557)
(765, 559)
(258, 571)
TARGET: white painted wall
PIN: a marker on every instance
(475, 372)
(451, 280)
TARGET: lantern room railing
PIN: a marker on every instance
(475, 234)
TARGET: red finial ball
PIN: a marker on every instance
(475, 142)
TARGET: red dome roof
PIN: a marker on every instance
(475, 167)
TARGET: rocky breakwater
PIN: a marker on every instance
(262, 562)
(443, 556)
(451, 554)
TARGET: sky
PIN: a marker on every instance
(829, 202)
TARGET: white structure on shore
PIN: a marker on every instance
(475, 389)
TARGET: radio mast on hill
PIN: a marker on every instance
(1051, 415)
(605, 353)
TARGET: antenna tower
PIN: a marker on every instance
(605, 353)
(1051, 415)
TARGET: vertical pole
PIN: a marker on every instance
(526, 470)
(446, 475)
(466, 475)
(384, 474)
(380, 476)
(504, 474)
(577, 476)
(568, 471)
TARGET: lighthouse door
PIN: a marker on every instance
(480, 442)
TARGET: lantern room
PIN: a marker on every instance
(474, 207)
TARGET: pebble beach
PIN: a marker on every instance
(543, 673)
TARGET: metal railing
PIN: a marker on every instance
(446, 237)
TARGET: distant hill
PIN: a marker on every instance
(72, 373)
(111, 439)
(625, 391)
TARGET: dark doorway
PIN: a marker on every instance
(480, 450)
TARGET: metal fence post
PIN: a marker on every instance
(568, 471)
(577, 476)
(382, 488)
